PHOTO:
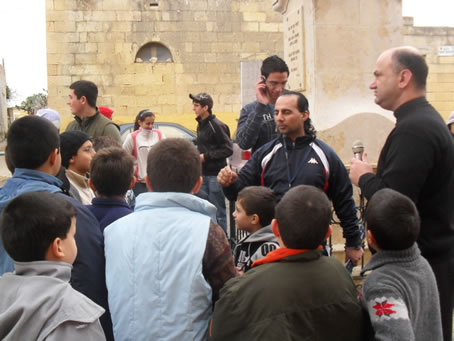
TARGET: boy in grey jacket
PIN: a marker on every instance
(400, 292)
(37, 301)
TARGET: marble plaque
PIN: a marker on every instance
(294, 49)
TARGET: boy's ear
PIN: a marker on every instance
(328, 233)
(370, 238)
(147, 181)
(255, 219)
(275, 228)
(55, 251)
(133, 182)
(197, 185)
(92, 186)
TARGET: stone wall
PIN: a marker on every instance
(99, 40)
(3, 104)
(440, 83)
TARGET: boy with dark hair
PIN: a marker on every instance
(214, 145)
(293, 293)
(168, 254)
(111, 175)
(37, 301)
(256, 124)
(34, 149)
(254, 210)
(400, 292)
(87, 118)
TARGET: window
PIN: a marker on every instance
(154, 53)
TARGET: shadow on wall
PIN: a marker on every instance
(371, 129)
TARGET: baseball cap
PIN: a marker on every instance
(50, 115)
(202, 98)
(450, 119)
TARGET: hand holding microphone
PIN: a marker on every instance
(359, 164)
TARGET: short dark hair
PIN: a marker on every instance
(303, 215)
(406, 58)
(111, 171)
(258, 200)
(273, 64)
(87, 89)
(30, 140)
(393, 220)
(101, 142)
(31, 222)
(303, 105)
(173, 165)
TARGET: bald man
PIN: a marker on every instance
(416, 160)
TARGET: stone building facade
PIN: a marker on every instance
(188, 46)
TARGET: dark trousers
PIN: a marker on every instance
(139, 187)
(444, 273)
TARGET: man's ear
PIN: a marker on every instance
(147, 181)
(197, 185)
(405, 77)
(83, 99)
(275, 228)
(133, 182)
(305, 115)
(328, 233)
(90, 183)
(55, 251)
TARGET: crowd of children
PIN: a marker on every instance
(78, 263)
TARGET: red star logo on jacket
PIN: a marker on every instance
(383, 308)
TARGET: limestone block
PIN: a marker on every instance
(89, 26)
(85, 58)
(221, 47)
(129, 16)
(115, 5)
(121, 27)
(445, 78)
(254, 16)
(83, 37)
(201, 16)
(210, 57)
(104, 15)
(52, 70)
(97, 37)
(268, 27)
(250, 26)
(49, 6)
(63, 37)
(60, 80)
(210, 26)
(188, 47)
(62, 5)
(57, 58)
(446, 60)
(250, 46)
(250, 6)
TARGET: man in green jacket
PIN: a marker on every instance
(87, 118)
(293, 293)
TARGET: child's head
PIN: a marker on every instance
(112, 172)
(144, 119)
(76, 151)
(303, 217)
(392, 221)
(173, 165)
(31, 141)
(39, 226)
(254, 208)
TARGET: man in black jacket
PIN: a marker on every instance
(416, 160)
(214, 145)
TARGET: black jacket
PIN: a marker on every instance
(213, 141)
(417, 160)
(281, 161)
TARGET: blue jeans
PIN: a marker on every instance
(213, 190)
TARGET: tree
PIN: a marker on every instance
(34, 102)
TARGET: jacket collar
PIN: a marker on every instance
(31, 174)
(386, 257)
(204, 121)
(60, 270)
(262, 235)
(288, 255)
(300, 141)
(407, 108)
(86, 121)
(175, 200)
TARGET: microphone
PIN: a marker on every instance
(358, 149)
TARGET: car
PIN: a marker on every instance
(169, 129)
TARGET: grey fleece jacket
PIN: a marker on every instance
(401, 297)
(38, 303)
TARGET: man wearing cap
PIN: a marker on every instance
(214, 145)
(256, 123)
(87, 118)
